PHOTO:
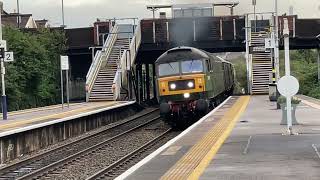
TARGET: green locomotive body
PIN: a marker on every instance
(190, 81)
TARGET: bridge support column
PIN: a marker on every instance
(154, 81)
(139, 83)
(147, 82)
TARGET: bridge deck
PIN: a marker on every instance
(255, 149)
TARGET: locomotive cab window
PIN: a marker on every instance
(193, 66)
(167, 69)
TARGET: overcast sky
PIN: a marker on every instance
(82, 13)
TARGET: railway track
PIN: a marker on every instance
(90, 160)
(33, 164)
(118, 167)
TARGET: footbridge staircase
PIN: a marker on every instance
(107, 77)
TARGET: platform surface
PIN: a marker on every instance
(29, 118)
(251, 148)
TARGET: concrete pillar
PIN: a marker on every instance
(147, 82)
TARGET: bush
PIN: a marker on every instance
(282, 100)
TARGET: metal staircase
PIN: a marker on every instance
(106, 78)
(261, 64)
(102, 88)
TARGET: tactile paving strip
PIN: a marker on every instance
(194, 162)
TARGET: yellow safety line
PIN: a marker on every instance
(60, 115)
(311, 104)
(12, 113)
(195, 161)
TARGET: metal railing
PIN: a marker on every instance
(127, 60)
(98, 61)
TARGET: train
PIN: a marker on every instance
(190, 82)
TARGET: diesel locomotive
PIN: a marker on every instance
(190, 81)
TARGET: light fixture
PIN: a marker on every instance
(173, 86)
(190, 84)
(186, 95)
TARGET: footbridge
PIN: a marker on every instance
(124, 67)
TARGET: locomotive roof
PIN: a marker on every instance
(182, 53)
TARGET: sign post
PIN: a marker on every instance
(2, 51)
(288, 85)
(64, 62)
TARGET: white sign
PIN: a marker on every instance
(8, 57)
(3, 44)
(269, 43)
(288, 86)
(64, 63)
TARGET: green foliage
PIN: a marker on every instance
(304, 68)
(32, 80)
(241, 75)
(282, 100)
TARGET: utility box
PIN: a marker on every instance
(273, 92)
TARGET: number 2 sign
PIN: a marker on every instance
(8, 57)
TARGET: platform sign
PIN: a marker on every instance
(64, 63)
(257, 49)
(8, 57)
(269, 43)
(3, 44)
(288, 86)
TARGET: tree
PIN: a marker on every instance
(33, 79)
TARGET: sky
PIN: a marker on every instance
(82, 13)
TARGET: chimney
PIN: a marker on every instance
(1, 7)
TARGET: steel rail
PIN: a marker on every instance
(50, 169)
(14, 168)
(118, 164)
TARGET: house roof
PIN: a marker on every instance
(41, 23)
(12, 19)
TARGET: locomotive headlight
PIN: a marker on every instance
(190, 84)
(186, 95)
(173, 86)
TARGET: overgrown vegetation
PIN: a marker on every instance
(304, 68)
(241, 75)
(32, 80)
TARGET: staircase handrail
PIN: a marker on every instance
(98, 60)
(127, 61)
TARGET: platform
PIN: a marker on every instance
(240, 140)
(19, 121)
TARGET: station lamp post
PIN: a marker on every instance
(2, 49)
(62, 13)
(276, 50)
